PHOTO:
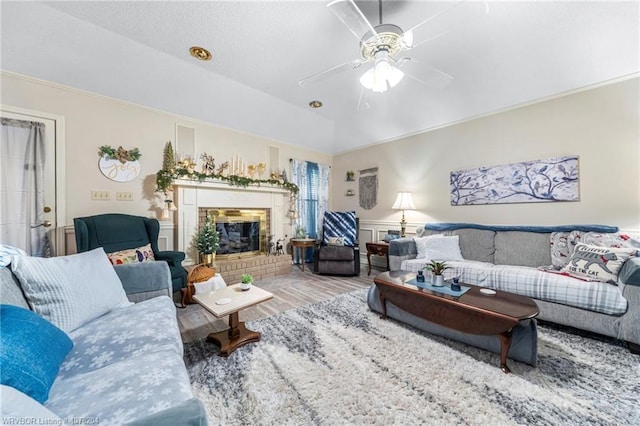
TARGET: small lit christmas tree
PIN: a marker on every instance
(168, 159)
(207, 240)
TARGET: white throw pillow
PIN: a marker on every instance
(70, 291)
(336, 241)
(421, 245)
(439, 247)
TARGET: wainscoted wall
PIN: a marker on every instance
(600, 125)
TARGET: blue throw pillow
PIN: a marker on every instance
(340, 224)
(31, 351)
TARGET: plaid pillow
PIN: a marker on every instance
(340, 224)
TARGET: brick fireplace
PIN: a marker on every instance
(195, 199)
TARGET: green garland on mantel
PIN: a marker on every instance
(165, 179)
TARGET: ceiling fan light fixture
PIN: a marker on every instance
(382, 76)
(387, 37)
(367, 79)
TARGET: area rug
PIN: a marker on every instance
(336, 362)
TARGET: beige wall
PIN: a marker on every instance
(93, 121)
(601, 126)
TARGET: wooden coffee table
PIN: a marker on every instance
(237, 334)
(473, 312)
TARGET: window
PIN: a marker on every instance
(311, 199)
(311, 202)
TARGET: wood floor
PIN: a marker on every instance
(289, 292)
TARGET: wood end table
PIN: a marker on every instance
(301, 244)
(379, 248)
(238, 334)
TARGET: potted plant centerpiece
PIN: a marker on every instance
(245, 282)
(437, 268)
(207, 242)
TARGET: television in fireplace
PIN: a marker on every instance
(240, 231)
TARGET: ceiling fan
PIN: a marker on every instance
(384, 45)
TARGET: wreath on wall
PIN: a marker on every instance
(119, 165)
(119, 154)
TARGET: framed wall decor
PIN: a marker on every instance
(119, 165)
(185, 142)
(368, 187)
(552, 179)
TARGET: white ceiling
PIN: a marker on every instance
(138, 52)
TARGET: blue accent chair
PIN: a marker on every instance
(115, 232)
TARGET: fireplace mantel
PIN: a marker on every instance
(190, 195)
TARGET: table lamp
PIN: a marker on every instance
(404, 201)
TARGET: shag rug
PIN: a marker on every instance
(337, 362)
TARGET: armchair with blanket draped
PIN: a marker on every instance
(338, 252)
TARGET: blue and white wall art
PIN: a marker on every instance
(553, 179)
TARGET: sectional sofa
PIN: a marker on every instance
(124, 366)
(535, 261)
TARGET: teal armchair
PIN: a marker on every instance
(115, 232)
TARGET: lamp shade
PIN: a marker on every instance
(404, 201)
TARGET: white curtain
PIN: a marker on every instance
(22, 185)
(324, 173)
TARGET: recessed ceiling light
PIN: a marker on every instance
(315, 104)
(200, 53)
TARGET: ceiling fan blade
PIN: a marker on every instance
(363, 101)
(459, 13)
(415, 44)
(352, 17)
(424, 73)
(329, 72)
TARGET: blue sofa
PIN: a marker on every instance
(125, 367)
